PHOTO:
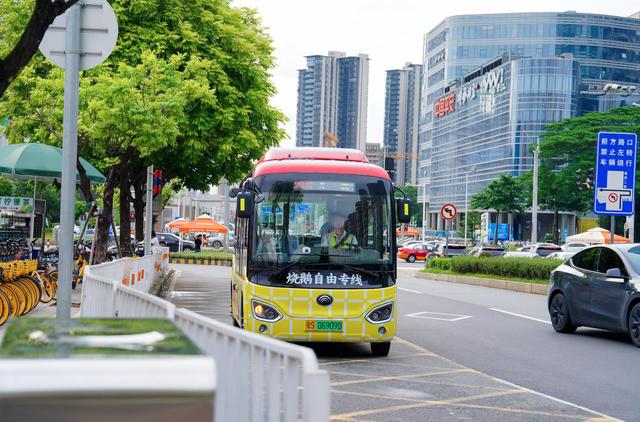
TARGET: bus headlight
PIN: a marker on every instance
(382, 313)
(264, 312)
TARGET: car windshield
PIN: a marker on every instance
(320, 219)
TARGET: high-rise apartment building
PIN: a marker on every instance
(492, 82)
(332, 101)
(402, 110)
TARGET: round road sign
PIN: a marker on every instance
(448, 211)
(98, 35)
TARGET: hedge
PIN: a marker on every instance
(206, 254)
(529, 268)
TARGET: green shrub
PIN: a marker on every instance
(533, 269)
(205, 254)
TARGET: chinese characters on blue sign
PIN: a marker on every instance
(615, 173)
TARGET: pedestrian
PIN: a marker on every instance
(198, 242)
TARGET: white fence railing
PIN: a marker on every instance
(261, 379)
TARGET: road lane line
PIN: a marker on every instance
(557, 400)
(409, 290)
(502, 381)
(423, 315)
(521, 316)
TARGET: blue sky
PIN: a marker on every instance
(389, 31)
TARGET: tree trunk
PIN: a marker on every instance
(138, 206)
(104, 219)
(85, 183)
(495, 229)
(555, 227)
(44, 13)
(125, 212)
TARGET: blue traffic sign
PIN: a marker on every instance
(615, 185)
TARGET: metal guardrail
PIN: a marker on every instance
(261, 379)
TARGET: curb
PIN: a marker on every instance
(516, 286)
(201, 261)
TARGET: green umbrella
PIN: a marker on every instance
(39, 162)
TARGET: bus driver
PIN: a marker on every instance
(337, 236)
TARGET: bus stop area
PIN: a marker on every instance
(411, 384)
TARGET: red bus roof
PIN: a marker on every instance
(317, 160)
(310, 153)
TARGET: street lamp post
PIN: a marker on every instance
(424, 210)
(466, 204)
(534, 205)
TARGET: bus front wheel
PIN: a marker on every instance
(380, 349)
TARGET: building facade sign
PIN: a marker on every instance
(490, 83)
(15, 204)
(445, 105)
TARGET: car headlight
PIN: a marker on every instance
(264, 312)
(380, 314)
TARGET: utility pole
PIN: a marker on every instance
(424, 210)
(534, 205)
(466, 207)
(225, 192)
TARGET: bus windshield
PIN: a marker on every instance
(322, 221)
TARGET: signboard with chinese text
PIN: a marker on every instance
(15, 204)
(614, 191)
(445, 105)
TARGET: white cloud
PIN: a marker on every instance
(389, 31)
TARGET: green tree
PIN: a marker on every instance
(503, 195)
(567, 158)
(187, 89)
(23, 26)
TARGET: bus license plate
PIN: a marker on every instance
(323, 325)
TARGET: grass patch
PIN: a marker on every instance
(487, 276)
(204, 254)
(58, 338)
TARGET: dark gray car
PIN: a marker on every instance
(598, 287)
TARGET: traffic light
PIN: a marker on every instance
(157, 182)
(389, 166)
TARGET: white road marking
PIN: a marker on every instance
(521, 316)
(439, 316)
(409, 290)
(557, 400)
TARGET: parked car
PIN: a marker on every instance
(520, 254)
(172, 241)
(534, 251)
(450, 250)
(574, 247)
(216, 240)
(414, 253)
(487, 251)
(598, 287)
(560, 255)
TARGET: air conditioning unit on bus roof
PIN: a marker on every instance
(312, 153)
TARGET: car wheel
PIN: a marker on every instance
(559, 313)
(634, 324)
(380, 349)
(410, 258)
(217, 244)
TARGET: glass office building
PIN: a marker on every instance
(542, 60)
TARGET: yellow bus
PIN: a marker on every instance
(315, 248)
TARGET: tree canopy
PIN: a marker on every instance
(187, 89)
(504, 194)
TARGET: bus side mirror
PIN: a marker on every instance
(403, 210)
(244, 205)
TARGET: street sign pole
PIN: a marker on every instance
(69, 158)
(87, 33)
(613, 229)
(148, 221)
